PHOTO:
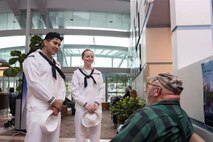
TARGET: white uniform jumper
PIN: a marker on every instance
(42, 89)
(92, 91)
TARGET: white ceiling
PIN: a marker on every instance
(118, 6)
(160, 15)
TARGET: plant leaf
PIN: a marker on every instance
(36, 42)
(15, 53)
(13, 61)
(5, 65)
(11, 72)
(19, 87)
(36, 38)
(22, 57)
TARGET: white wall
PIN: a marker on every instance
(140, 85)
(190, 12)
(192, 96)
(191, 46)
(192, 32)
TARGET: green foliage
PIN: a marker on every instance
(36, 42)
(17, 56)
(118, 79)
(126, 107)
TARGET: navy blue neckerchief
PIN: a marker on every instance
(54, 67)
(87, 77)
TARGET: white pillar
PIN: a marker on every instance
(28, 26)
(191, 31)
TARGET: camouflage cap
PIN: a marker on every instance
(170, 82)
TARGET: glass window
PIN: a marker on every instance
(86, 19)
(8, 21)
(113, 41)
(124, 64)
(102, 62)
(96, 40)
(12, 23)
(52, 17)
(78, 39)
(125, 22)
(12, 41)
(116, 62)
(37, 21)
(68, 20)
(113, 21)
(97, 19)
(3, 23)
(77, 62)
(80, 19)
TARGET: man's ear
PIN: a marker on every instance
(45, 42)
(157, 91)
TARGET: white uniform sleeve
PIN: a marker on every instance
(62, 90)
(75, 90)
(31, 71)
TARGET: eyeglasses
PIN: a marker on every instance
(148, 84)
(159, 88)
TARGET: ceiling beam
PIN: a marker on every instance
(47, 21)
(80, 31)
(42, 6)
(82, 46)
(121, 62)
(160, 14)
(124, 0)
(14, 7)
(103, 70)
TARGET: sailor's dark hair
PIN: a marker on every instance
(52, 35)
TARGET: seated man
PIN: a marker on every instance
(163, 119)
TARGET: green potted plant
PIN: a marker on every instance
(126, 107)
(36, 42)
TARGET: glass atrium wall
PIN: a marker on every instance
(111, 50)
(105, 35)
(66, 20)
(83, 19)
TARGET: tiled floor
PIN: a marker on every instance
(21, 138)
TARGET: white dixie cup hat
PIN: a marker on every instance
(49, 122)
(91, 119)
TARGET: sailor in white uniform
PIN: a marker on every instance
(88, 91)
(45, 88)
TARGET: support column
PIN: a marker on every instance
(191, 31)
(28, 26)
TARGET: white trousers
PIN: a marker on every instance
(82, 132)
(34, 132)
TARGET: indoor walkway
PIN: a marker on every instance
(21, 139)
